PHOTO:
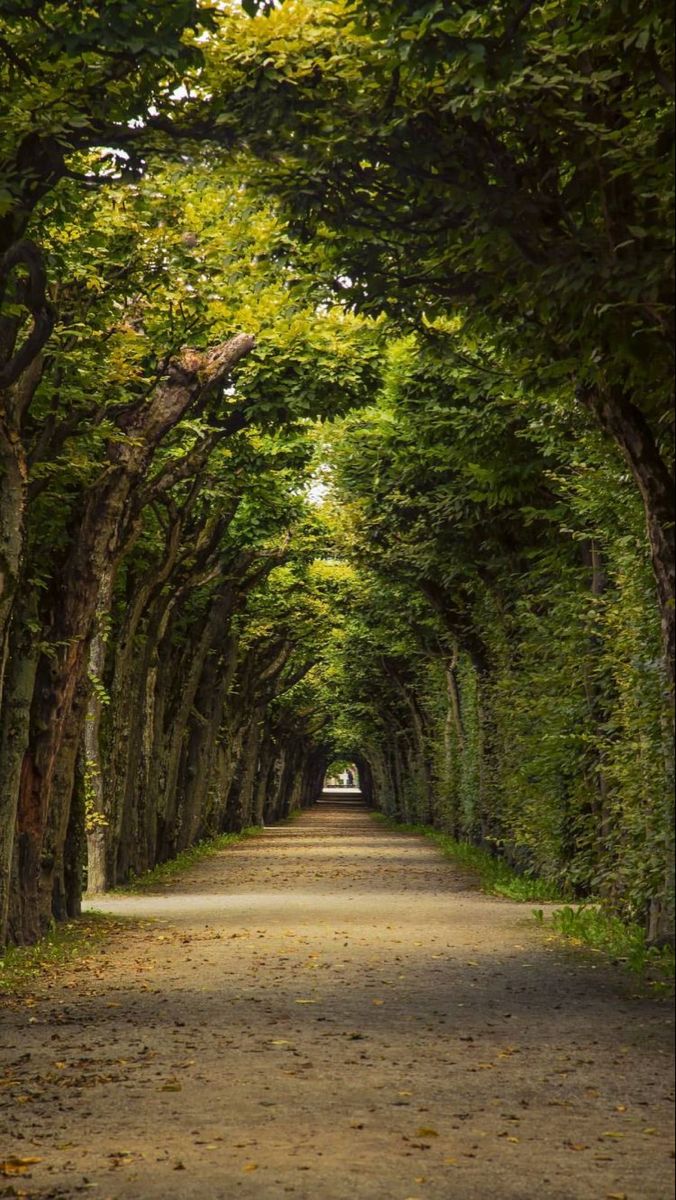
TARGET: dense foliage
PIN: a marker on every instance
(507, 638)
(335, 364)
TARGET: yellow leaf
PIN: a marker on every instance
(17, 1166)
(426, 1132)
(250, 1167)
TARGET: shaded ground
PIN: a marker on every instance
(332, 1011)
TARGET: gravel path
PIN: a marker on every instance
(333, 1011)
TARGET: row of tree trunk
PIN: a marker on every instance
(130, 714)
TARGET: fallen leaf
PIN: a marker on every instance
(17, 1166)
(421, 1133)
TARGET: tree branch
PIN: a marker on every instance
(34, 298)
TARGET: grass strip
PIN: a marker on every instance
(495, 876)
(583, 925)
(589, 925)
(22, 966)
(166, 872)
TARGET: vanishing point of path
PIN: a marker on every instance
(331, 1010)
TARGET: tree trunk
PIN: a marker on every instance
(200, 754)
(454, 744)
(629, 429)
(14, 727)
(91, 782)
(12, 513)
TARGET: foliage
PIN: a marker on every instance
(507, 651)
(475, 156)
(504, 172)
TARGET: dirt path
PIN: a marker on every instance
(330, 1011)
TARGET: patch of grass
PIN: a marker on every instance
(626, 944)
(495, 876)
(22, 966)
(168, 871)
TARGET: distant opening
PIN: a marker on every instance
(342, 776)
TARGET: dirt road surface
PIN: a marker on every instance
(333, 1011)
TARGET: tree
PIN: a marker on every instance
(74, 79)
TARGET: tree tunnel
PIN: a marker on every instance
(302, 464)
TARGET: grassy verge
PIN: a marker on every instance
(625, 944)
(22, 966)
(496, 877)
(168, 871)
(582, 925)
